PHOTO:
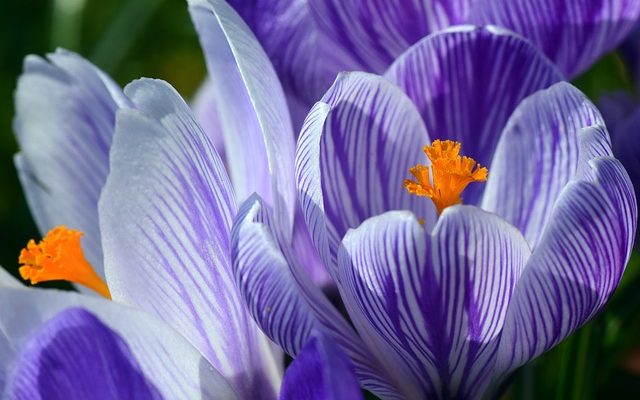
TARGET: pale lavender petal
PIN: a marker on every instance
(439, 301)
(375, 32)
(206, 111)
(466, 81)
(320, 372)
(537, 155)
(168, 361)
(8, 280)
(576, 266)
(282, 299)
(305, 251)
(64, 122)
(166, 214)
(573, 34)
(255, 121)
(353, 155)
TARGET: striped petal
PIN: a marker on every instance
(438, 301)
(320, 372)
(573, 34)
(575, 267)
(282, 299)
(255, 121)
(64, 122)
(156, 357)
(466, 81)
(537, 155)
(166, 215)
(375, 32)
(304, 56)
(354, 152)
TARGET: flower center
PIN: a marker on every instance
(59, 256)
(450, 174)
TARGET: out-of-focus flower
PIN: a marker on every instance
(621, 111)
(142, 183)
(446, 306)
(310, 41)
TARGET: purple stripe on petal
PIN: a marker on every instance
(32, 335)
(375, 32)
(466, 81)
(75, 356)
(575, 267)
(64, 122)
(320, 372)
(351, 163)
(537, 155)
(255, 121)
(439, 301)
(282, 299)
(166, 215)
(573, 34)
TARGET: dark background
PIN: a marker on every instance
(154, 38)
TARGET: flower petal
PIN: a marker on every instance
(306, 59)
(353, 155)
(573, 34)
(206, 111)
(626, 147)
(166, 214)
(282, 299)
(466, 81)
(576, 266)
(537, 155)
(375, 32)
(438, 301)
(7, 280)
(321, 371)
(255, 121)
(75, 356)
(174, 367)
(64, 122)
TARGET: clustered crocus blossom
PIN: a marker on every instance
(447, 299)
(454, 269)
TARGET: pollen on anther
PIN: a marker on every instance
(447, 177)
(59, 256)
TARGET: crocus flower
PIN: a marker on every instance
(115, 352)
(447, 299)
(129, 184)
(310, 41)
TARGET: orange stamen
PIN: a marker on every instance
(59, 256)
(448, 175)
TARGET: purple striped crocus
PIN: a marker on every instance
(310, 41)
(445, 299)
(139, 206)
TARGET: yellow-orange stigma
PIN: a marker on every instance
(447, 177)
(59, 256)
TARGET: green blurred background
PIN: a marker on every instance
(154, 38)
